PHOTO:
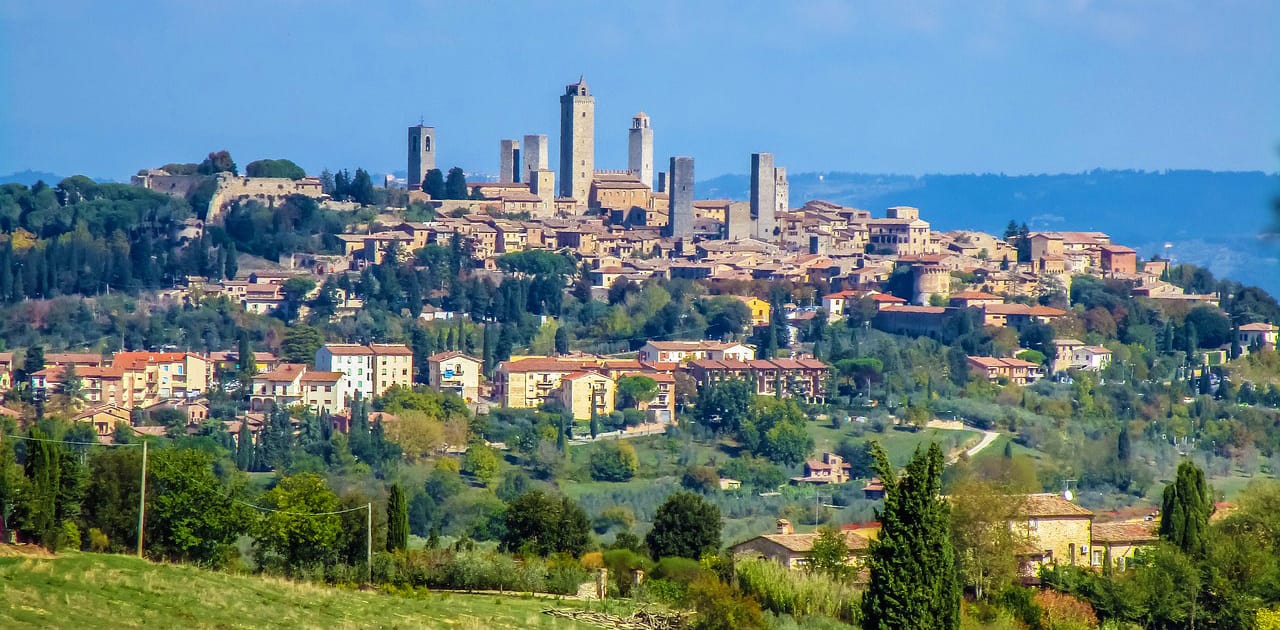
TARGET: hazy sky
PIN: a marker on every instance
(105, 88)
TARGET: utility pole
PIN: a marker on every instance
(142, 499)
(368, 542)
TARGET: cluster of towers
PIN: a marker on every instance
(577, 168)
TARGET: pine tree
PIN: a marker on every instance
(1185, 509)
(914, 582)
(397, 520)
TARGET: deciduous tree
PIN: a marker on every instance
(685, 526)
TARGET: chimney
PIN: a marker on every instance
(784, 527)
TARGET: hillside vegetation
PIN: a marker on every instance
(81, 590)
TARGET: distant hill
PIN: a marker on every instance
(30, 177)
(1214, 219)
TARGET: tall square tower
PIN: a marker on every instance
(764, 194)
(508, 161)
(577, 141)
(680, 184)
(422, 154)
(640, 149)
(534, 155)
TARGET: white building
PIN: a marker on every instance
(370, 370)
(680, 351)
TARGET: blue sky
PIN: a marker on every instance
(1023, 86)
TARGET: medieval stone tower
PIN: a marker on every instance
(577, 141)
(534, 155)
(640, 149)
(422, 154)
(764, 194)
(680, 223)
(508, 161)
(930, 280)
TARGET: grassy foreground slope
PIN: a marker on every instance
(88, 591)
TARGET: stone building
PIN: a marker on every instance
(792, 550)
(534, 156)
(681, 200)
(928, 280)
(508, 161)
(640, 149)
(577, 141)
(738, 221)
(1059, 530)
(422, 154)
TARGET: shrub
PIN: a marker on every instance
(98, 541)
(69, 536)
(614, 461)
(620, 563)
(719, 608)
(667, 592)
(681, 570)
(796, 593)
(564, 575)
(592, 560)
(1060, 611)
(701, 479)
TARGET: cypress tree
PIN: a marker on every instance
(1123, 450)
(244, 447)
(1185, 509)
(397, 520)
(44, 469)
(914, 582)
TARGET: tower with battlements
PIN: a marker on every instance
(577, 141)
(640, 149)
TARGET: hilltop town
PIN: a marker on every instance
(594, 374)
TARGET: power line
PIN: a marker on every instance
(33, 439)
(290, 513)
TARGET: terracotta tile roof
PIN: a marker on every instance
(55, 358)
(543, 364)
(803, 543)
(975, 295)
(1258, 327)
(392, 349)
(321, 377)
(1048, 504)
(934, 310)
(285, 372)
(1125, 531)
(347, 349)
(445, 356)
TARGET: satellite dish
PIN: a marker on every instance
(1066, 494)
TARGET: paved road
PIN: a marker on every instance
(987, 437)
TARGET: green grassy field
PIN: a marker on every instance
(89, 591)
